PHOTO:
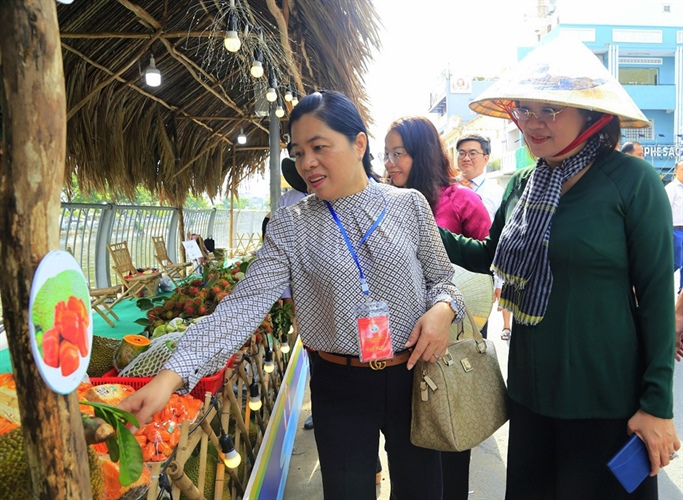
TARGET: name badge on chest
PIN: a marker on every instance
(374, 335)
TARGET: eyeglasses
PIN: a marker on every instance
(546, 114)
(391, 157)
(471, 154)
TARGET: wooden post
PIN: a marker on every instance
(34, 118)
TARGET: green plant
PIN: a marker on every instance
(122, 447)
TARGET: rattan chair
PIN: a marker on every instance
(134, 283)
(176, 272)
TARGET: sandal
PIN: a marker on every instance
(505, 335)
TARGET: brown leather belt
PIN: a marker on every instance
(340, 359)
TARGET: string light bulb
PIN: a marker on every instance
(271, 94)
(257, 64)
(279, 111)
(241, 139)
(284, 347)
(295, 99)
(232, 42)
(231, 458)
(268, 365)
(152, 74)
(288, 95)
(254, 397)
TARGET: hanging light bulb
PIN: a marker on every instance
(152, 74)
(279, 111)
(254, 397)
(232, 42)
(284, 347)
(271, 94)
(257, 65)
(288, 95)
(268, 365)
(241, 139)
(295, 99)
(231, 458)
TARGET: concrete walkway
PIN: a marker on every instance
(487, 468)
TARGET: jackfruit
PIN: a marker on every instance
(102, 356)
(192, 471)
(15, 480)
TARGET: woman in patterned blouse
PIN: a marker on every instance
(311, 247)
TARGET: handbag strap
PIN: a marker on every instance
(476, 334)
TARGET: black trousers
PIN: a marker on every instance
(351, 406)
(550, 458)
(455, 469)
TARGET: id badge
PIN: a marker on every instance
(374, 337)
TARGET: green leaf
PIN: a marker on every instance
(144, 304)
(113, 447)
(131, 456)
(143, 321)
(112, 414)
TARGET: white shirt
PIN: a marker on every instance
(490, 192)
(674, 190)
(404, 262)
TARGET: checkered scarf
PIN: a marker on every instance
(522, 254)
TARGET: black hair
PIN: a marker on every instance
(483, 142)
(629, 147)
(432, 167)
(610, 134)
(339, 113)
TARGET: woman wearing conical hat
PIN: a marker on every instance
(583, 242)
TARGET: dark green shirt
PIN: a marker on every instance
(595, 354)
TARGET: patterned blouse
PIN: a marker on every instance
(403, 260)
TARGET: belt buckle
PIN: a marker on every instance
(378, 364)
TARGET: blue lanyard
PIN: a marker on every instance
(363, 281)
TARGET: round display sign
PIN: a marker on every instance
(60, 321)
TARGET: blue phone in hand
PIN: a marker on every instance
(631, 464)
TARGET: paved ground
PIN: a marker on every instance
(487, 469)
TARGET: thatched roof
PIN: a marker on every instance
(180, 137)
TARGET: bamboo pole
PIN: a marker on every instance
(32, 173)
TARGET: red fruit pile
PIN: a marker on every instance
(68, 337)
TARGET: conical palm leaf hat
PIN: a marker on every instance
(565, 72)
(477, 291)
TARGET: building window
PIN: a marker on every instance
(639, 134)
(666, 7)
(638, 76)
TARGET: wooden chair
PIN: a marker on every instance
(172, 270)
(99, 302)
(134, 284)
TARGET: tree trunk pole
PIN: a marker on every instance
(34, 119)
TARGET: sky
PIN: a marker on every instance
(422, 39)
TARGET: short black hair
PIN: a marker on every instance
(628, 147)
(483, 142)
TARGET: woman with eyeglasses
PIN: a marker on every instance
(583, 243)
(373, 292)
(415, 157)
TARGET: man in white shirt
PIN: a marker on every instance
(674, 191)
(473, 155)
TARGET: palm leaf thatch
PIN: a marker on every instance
(180, 138)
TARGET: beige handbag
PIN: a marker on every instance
(460, 400)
